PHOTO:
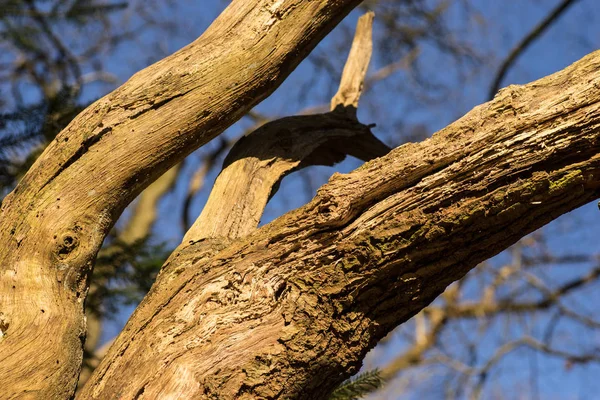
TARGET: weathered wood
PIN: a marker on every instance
(53, 223)
(138, 226)
(259, 161)
(289, 311)
(355, 70)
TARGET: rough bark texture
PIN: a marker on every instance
(258, 162)
(139, 226)
(53, 223)
(290, 310)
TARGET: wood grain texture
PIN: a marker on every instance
(53, 223)
(289, 311)
(259, 161)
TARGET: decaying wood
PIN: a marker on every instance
(53, 223)
(290, 310)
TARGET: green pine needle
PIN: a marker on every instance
(358, 386)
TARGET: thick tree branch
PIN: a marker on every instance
(290, 311)
(259, 161)
(53, 223)
(138, 227)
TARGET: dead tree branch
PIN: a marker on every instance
(53, 224)
(292, 308)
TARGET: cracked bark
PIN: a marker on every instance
(53, 223)
(290, 310)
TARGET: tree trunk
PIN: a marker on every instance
(53, 223)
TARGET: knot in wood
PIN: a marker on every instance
(67, 243)
(3, 325)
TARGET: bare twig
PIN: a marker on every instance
(525, 42)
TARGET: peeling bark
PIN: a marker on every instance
(290, 310)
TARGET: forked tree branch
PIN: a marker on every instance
(259, 161)
(54, 222)
(138, 227)
(291, 310)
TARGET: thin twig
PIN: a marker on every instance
(525, 42)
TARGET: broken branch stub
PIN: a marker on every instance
(54, 222)
(355, 70)
(289, 311)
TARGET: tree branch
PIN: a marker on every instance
(530, 342)
(291, 310)
(355, 70)
(259, 161)
(137, 228)
(54, 222)
(488, 307)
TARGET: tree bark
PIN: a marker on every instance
(290, 310)
(54, 222)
